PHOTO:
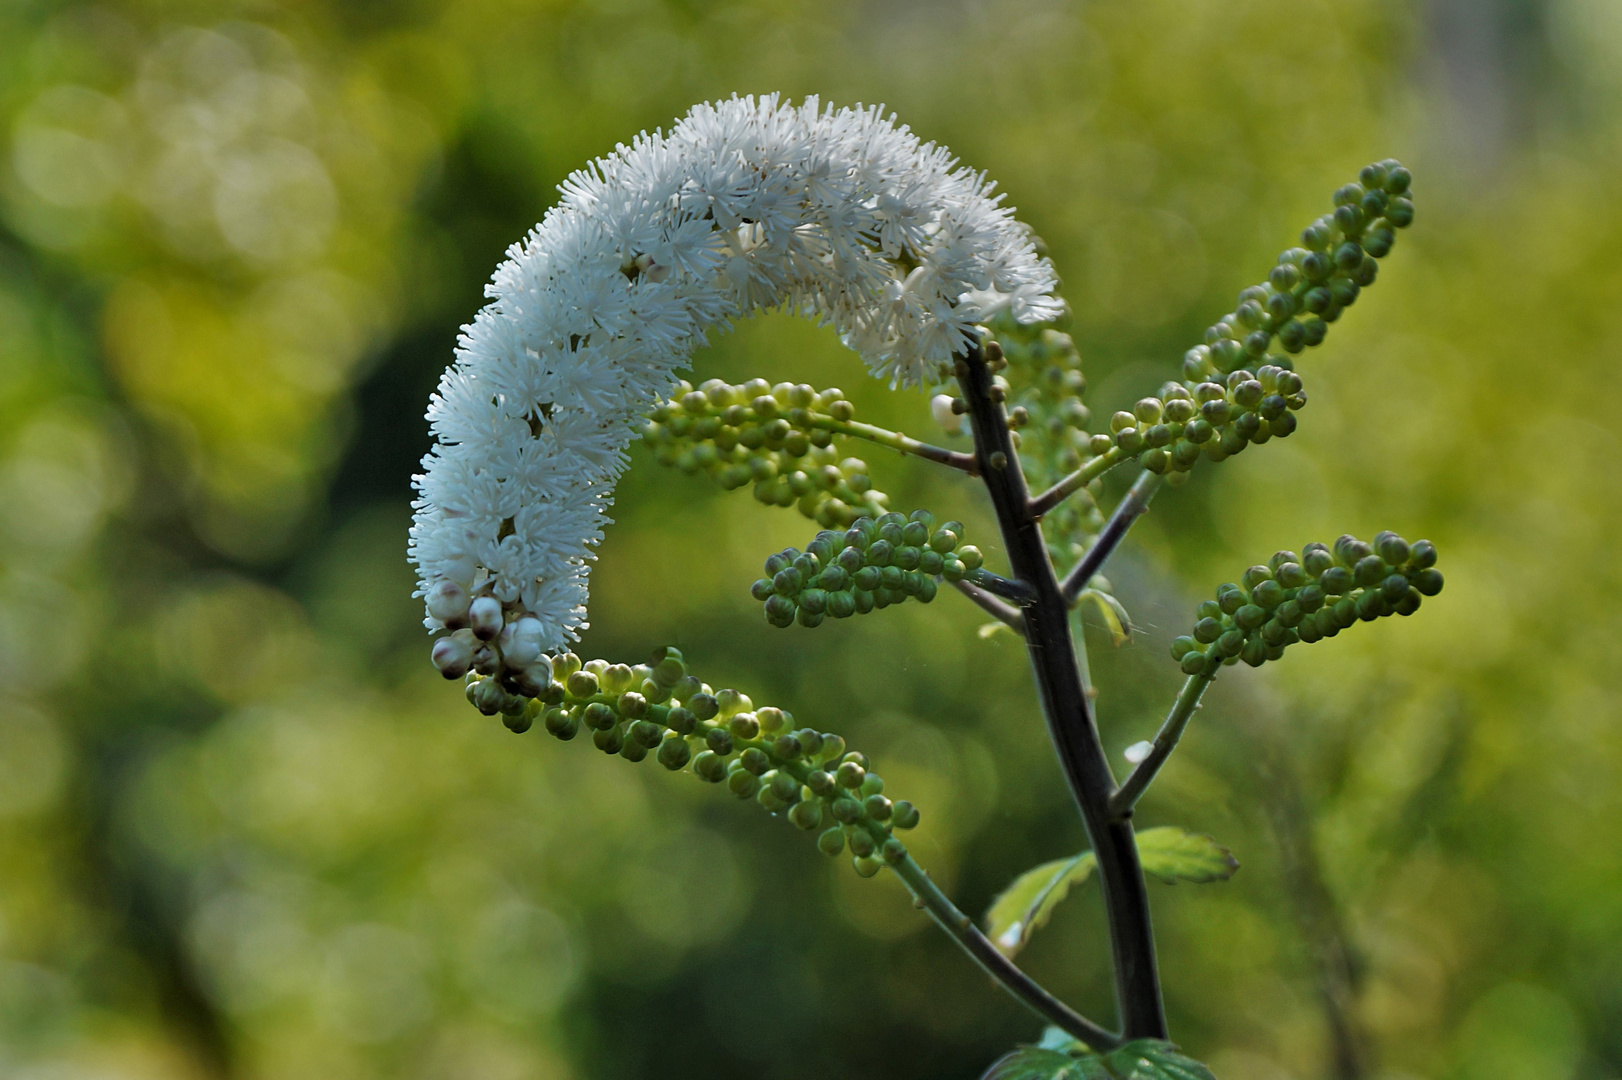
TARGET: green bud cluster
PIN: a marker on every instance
(1313, 283)
(873, 564)
(1236, 390)
(1215, 419)
(778, 438)
(1044, 385)
(1307, 597)
(659, 710)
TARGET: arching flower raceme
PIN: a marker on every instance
(839, 215)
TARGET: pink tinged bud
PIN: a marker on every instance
(534, 680)
(452, 657)
(484, 615)
(521, 643)
(486, 661)
(448, 602)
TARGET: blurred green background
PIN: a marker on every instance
(245, 829)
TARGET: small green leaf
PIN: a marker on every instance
(1172, 855)
(1040, 1063)
(1116, 620)
(1154, 1059)
(1024, 907)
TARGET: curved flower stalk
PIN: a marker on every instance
(840, 215)
(806, 776)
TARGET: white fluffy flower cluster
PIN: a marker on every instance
(749, 203)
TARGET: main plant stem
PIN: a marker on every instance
(1067, 709)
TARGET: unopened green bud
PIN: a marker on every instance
(850, 775)
(562, 724)
(833, 747)
(674, 752)
(861, 843)
(581, 684)
(718, 740)
(831, 841)
(1428, 581)
(1392, 548)
(743, 783)
(1423, 554)
(1337, 581)
(709, 766)
(904, 815)
(702, 706)
(877, 807)
(846, 810)
(1369, 571)
(783, 785)
(806, 815)
(1249, 617)
(744, 726)
(600, 717)
(865, 866)
(609, 740)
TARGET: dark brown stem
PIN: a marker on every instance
(1067, 708)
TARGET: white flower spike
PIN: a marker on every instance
(839, 215)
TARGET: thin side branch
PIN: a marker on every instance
(1024, 988)
(1058, 493)
(1017, 591)
(992, 606)
(1188, 700)
(906, 444)
(1132, 507)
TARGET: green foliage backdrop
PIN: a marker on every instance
(245, 829)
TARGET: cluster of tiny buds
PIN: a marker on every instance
(488, 638)
(1306, 598)
(1312, 283)
(1046, 385)
(659, 709)
(873, 564)
(1170, 432)
(779, 438)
